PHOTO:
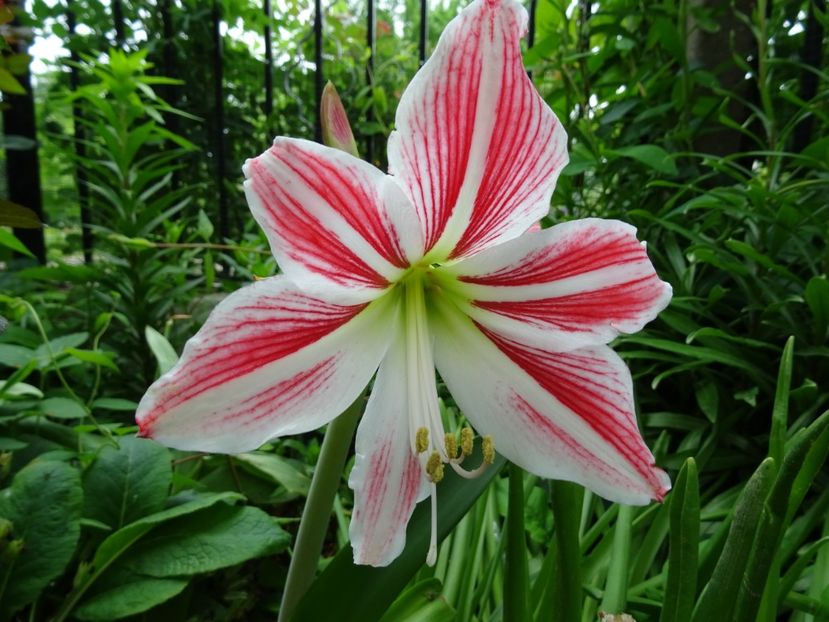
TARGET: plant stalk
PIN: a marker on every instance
(317, 511)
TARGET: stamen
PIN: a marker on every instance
(432, 555)
(451, 445)
(488, 449)
(466, 440)
(434, 468)
(422, 440)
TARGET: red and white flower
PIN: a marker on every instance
(430, 266)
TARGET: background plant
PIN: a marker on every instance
(702, 123)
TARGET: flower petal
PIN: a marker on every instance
(560, 415)
(339, 228)
(476, 148)
(387, 478)
(269, 361)
(576, 284)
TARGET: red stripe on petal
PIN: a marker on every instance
(305, 239)
(619, 305)
(258, 335)
(354, 199)
(587, 385)
(582, 251)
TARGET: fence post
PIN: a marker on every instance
(80, 136)
(423, 31)
(371, 40)
(266, 8)
(22, 165)
(319, 80)
(218, 96)
(118, 20)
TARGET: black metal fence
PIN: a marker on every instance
(19, 117)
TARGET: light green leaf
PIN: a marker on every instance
(278, 469)
(650, 155)
(9, 240)
(10, 84)
(114, 403)
(163, 351)
(62, 408)
(421, 603)
(43, 505)
(96, 357)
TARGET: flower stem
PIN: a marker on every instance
(317, 511)
(516, 577)
(567, 509)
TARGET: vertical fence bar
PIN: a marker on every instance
(319, 80)
(531, 29)
(80, 137)
(371, 41)
(118, 20)
(423, 31)
(266, 8)
(219, 103)
(23, 165)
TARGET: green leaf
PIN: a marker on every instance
(212, 539)
(18, 64)
(14, 215)
(346, 592)
(421, 603)
(717, 599)
(277, 469)
(44, 507)
(817, 299)
(128, 599)
(96, 357)
(127, 482)
(114, 403)
(780, 411)
(10, 84)
(650, 155)
(205, 227)
(62, 408)
(164, 353)
(9, 240)
(680, 590)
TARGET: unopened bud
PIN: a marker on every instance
(336, 131)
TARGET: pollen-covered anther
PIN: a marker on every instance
(434, 468)
(488, 449)
(450, 443)
(467, 438)
(421, 440)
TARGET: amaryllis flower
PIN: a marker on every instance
(429, 266)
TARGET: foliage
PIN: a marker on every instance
(702, 123)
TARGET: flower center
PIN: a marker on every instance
(429, 440)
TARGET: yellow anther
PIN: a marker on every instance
(488, 449)
(434, 468)
(421, 440)
(466, 441)
(451, 445)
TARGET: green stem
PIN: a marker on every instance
(567, 499)
(317, 512)
(516, 577)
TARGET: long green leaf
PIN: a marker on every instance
(346, 592)
(684, 546)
